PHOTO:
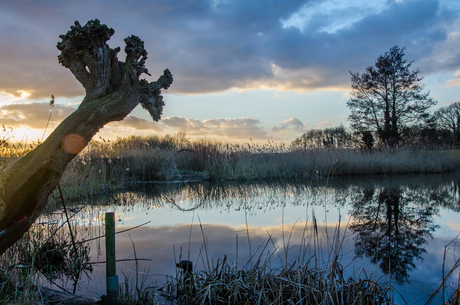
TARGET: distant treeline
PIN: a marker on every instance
(440, 130)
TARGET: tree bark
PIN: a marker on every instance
(113, 90)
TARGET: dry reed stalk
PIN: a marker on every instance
(287, 285)
(291, 283)
(155, 158)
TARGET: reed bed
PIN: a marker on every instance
(106, 162)
(168, 159)
(105, 165)
(270, 277)
(227, 161)
(171, 158)
(290, 284)
(44, 255)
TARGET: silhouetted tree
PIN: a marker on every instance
(448, 118)
(113, 90)
(387, 97)
(364, 139)
(426, 136)
(389, 231)
(333, 137)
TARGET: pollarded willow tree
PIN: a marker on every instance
(113, 89)
(388, 97)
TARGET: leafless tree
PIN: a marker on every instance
(448, 118)
(113, 90)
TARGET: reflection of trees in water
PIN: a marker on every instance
(392, 218)
(438, 190)
(448, 196)
(392, 226)
(232, 196)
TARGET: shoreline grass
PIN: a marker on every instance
(43, 256)
(160, 159)
(168, 158)
(107, 165)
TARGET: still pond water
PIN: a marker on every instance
(399, 228)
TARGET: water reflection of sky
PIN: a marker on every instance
(226, 215)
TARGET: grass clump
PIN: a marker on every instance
(44, 255)
(290, 284)
(313, 276)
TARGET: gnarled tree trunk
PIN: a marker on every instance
(113, 90)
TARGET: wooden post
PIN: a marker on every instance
(111, 270)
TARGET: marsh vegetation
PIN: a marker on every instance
(105, 164)
(300, 240)
(107, 167)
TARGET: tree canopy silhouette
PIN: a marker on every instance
(113, 89)
(448, 118)
(388, 97)
(391, 232)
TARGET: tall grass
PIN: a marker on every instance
(226, 281)
(172, 158)
(272, 274)
(43, 255)
(106, 164)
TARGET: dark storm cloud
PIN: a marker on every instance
(216, 45)
(417, 25)
(28, 56)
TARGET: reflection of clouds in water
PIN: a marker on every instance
(223, 210)
(454, 225)
(164, 245)
(156, 243)
(451, 223)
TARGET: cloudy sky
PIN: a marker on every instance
(259, 69)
